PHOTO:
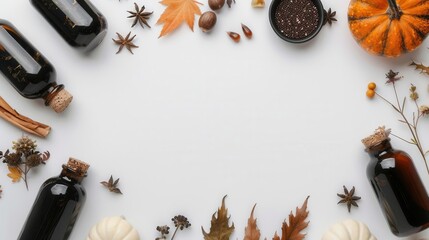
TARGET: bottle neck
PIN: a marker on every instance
(74, 176)
(52, 92)
(380, 148)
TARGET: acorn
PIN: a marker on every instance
(216, 4)
(207, 21)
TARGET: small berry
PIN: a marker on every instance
(372, 86)
(370, 93)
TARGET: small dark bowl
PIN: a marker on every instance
(272, 12)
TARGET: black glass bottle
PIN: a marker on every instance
(399, 189)
(77, 21)
(57, 205)
(29, 72)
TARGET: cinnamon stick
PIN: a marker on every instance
(23, 122)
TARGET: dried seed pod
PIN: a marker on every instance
(258, 3)
(234, 36)
(216, 4)
(207, 21)
(247, 32)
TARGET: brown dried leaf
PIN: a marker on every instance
(276, 237)
(219, 229)
(421, 67)
(297, 223)
(251, 232)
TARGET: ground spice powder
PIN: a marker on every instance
(296, 19)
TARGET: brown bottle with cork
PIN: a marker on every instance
(57, 205)
(397, 185)
(29, 72)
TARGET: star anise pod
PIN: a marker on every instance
(140, 16)
(127, 42)
(329, 16)
(112, 185)
(348, 198)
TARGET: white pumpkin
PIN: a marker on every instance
(348, 230)
(113, 228)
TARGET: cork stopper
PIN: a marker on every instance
(380, 134)
(77, 166)
(60, 101)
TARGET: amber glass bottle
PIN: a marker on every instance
(28, 70)
(57, 205)
(397, 185)
(77, 21)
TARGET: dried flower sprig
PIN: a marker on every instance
(24, 158)
(180, 222)
(399, 107)
(164, 231)
(112, 185)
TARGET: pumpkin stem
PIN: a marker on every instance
(393, 10)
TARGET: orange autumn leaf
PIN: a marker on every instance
(14, 173)
(251, 232)
(177, 12)
(297, 223)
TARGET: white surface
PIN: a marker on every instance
(191, 117)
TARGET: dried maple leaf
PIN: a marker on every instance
(297, 223)
(251, 232)
(421, 67)
(112, 185)
(14, 173)
(276, 237)
(177, 12)
(219, 229)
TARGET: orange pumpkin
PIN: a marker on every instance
(388, 27)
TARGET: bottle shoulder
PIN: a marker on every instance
(63, 186)
(389, 161)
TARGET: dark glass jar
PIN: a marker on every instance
(29, 72)
(57, 205)
(399, 189)
(77, 21)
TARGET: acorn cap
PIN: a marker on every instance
(61, 101)
(380, 134)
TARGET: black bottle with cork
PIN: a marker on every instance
(397, 185)
(77, 21)
(29, 72)
(57, 205)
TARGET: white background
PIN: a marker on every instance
(192, 117)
